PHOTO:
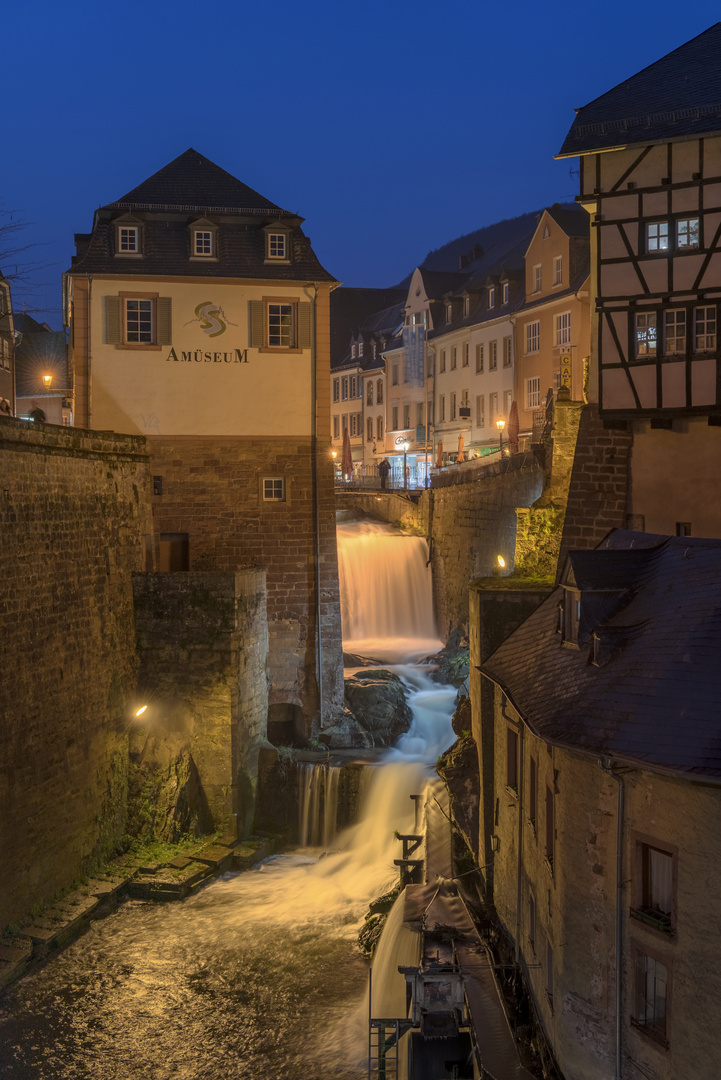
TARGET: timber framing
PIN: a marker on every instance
(656, 227)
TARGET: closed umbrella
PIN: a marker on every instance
(346, 462)
(460, 447)
(513, 429)
(439, 455)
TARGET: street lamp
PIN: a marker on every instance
(405, 476)
(500, 424)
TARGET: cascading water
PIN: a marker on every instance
(258, 973)
(318, 804)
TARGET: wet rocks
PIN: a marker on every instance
(370, 933)
(452, 662)
(376, 698)
(347, 734)
(458, 768)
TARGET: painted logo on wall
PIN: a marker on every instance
(213, 320)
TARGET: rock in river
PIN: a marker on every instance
(377, 699)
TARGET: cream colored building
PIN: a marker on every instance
(199, 318)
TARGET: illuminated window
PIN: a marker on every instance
(277, 246)
(273, 489)
(657, 236)
(646, 334)
(202, 242)
(687, 233)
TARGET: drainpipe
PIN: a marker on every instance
(316, 507)
(606, 764)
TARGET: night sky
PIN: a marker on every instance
(392, 126)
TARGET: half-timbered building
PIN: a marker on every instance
(650, 175)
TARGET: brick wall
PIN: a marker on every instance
(599, 484)
(74, 514)
(212, 491)
(203, 647)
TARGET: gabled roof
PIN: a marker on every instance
(194, 183)
(573, 219)
(677, 96)
(353, 309)
(654, 699)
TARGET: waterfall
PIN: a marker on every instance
(317, 804)
(385, 588)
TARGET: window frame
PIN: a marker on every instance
(379, 392)
(493, 355)
(512, 762)
(480, 410)
(491, 297)
(645, 342)
(675, 311)
(532, 337)
(533, 793)
(151, 345)
(652, 1029)
(369, 392)
(379, 427)
(561, 329)
(557, 270)
(336, 389)
(550, 822)
(480, 358)
(533, 393)
(642, 897)
(207, 233)
(682, 247)
(537, 272)
(125, 227)
(274, 481)
(505, 292)
(293, 304)
(454, 357)
(654, 243)
(271, 240)
(466, 354)
(507, 351)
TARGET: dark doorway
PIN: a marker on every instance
(174, 551)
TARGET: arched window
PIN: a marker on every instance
(379, 427)
(379, 392)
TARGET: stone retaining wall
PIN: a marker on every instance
(74, 524)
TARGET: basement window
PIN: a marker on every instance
(273, 489)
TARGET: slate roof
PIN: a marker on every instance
(655, 698)
(193, 182)
(352, 309)
(678, 95)
(188, 189)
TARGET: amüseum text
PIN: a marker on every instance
(236, 356)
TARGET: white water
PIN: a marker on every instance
(318, 804)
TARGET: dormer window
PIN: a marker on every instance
(491, 296)
(352, 352)
(449, 312)
(202, 242)
(506, 292)
(128, 239)
(466, 305)
(277, 245)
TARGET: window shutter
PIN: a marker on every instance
(113, 327)
(304, 328)
(165, 320)
(257, 324)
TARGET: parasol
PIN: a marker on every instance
(439, 455)
(346, 464)
(459, 456)
(513, 429)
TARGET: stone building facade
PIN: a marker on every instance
(596, 723)
(199, 317)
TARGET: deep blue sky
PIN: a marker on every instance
(392, 126)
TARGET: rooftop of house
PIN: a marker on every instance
(644, 683)
(677, 96)
(352, 310)
(165, 206)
